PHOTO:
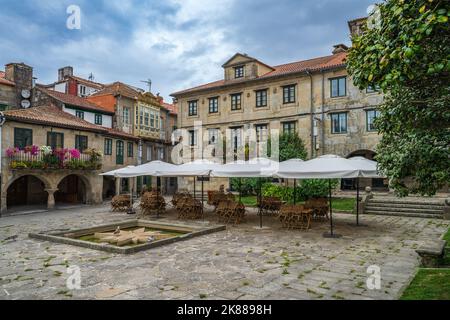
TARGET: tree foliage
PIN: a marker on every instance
(407, 54)
(292, 147)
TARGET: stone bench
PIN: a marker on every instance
(431, 253)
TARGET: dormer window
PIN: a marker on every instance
(239, 72)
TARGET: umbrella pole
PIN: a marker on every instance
(357, 201)
(240, 190)
(260, 208)
(331, 234)
(295, 191)
(203, 213)
(195, 178)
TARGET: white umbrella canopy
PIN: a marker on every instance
(324, 167)
(197, 168)
(367, 168)
(147, 169)
(255, 168)
(117, 172)
(290, 164)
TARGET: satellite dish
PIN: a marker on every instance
(26, 94)
(25, 104)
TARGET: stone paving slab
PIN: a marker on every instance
(239, 263)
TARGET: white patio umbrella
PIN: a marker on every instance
(289, 165)
(324, 167)
(367, 169)
(116, 173)
(255, 168)
(197, 168)
(147, 169)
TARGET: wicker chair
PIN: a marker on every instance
(319, 207)
(152, 203)
(121, 203)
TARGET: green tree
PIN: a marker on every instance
(292, 147)
(406, 53)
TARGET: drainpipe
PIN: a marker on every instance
(308, 72)
(323, 113)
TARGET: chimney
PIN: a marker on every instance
(65, 72)
(356, 26)
(22, 75)
(340, 48)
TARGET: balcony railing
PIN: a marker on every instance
(58, 159)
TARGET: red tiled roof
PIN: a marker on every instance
(172, 108)
(118, 133)
(316, 64)
(53, 116)
(75, 101)
(90, 83)
(118, 88)
(4, 81)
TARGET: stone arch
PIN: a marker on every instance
(366, 153)
(25, 189)
(72, 189)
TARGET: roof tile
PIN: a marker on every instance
(316, 64)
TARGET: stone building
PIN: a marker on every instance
(145, 116)
(314, 98)
(16, 84)
(73, 85)
(28, 177)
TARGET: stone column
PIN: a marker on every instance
(117, 186)
(51, 198)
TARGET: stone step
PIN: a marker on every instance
(406, 201)
(406, 214)
(408, 205)
(373, 207)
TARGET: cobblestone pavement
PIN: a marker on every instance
(239, 263)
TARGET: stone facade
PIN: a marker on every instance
(93, 183)
(310, 112)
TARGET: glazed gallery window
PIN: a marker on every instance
(55, 140)
(98, 119)
(81, 143)
(23, 138)
(239, 72)
(126, 115)
(108, 147)
(79, 114)
(338, 87)
(213, 105)
(289, 94)
(371, 115)
(261, 98)
(289, 127)
(236, 101)
(339, 122)
(193, 107)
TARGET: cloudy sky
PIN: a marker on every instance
(176, 43)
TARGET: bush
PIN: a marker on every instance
(249, 186)
(315, 188)
(275, 190)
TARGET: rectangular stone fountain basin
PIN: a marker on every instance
(131, 237)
